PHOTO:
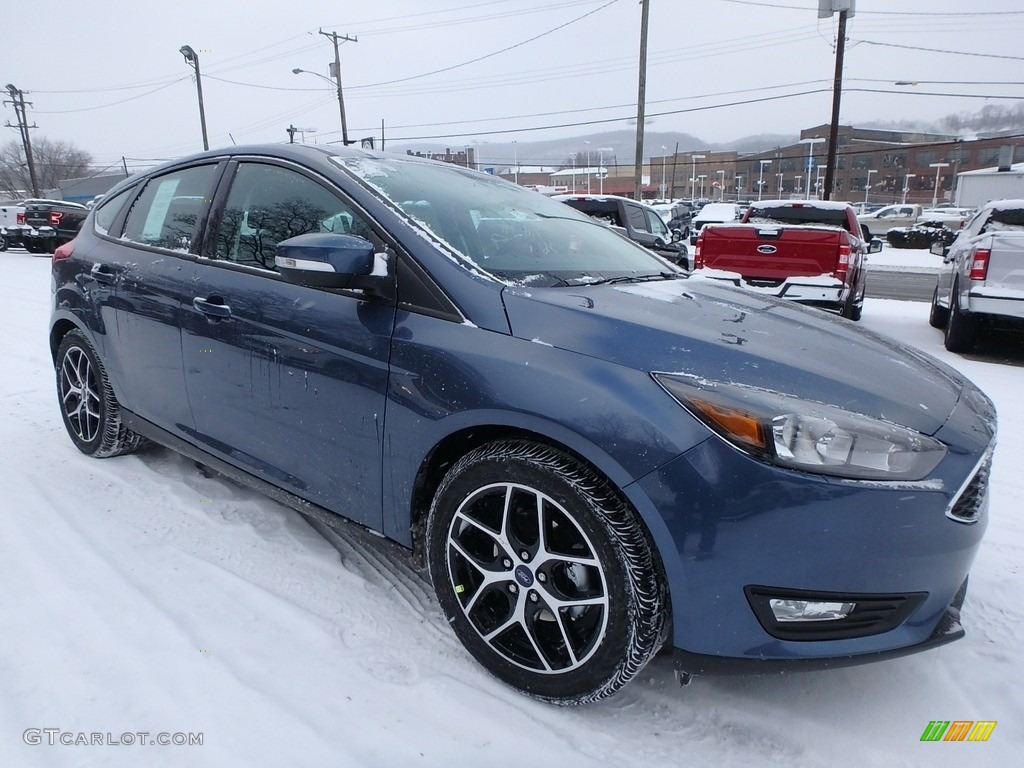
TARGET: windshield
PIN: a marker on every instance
(515, 234)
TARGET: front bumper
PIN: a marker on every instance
(736, 523)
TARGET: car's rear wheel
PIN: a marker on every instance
(961, 326)
(544, 572)
(90, 411)
(939, 315)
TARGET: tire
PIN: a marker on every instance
(961, 326)
(853, 307)
(3, 243)
(88, 407)
(939, 315)
(33, 246)
(545, 573)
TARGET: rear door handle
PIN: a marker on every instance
(213, 306)
(101, 273)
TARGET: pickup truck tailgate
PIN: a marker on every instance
(772, 252)
(1006, 263)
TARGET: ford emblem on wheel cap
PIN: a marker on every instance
(766, 249)
(524, 576)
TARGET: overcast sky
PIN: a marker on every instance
(107, 75)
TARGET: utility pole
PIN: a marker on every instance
(825, 10)
(18, 101)
(641, 98)
(337, 39)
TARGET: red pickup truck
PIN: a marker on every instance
(810, 251)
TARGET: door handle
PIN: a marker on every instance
(214, 306)
(101, 274)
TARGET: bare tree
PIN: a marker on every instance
(54, 161)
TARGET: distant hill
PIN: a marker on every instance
(622, 145)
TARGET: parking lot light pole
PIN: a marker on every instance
(779, 175)
(760, 177)
(693, 175)
(600, 166)
(906, 187)
(664, 149)
(810, 158)
(938, 169)
(192, 59)
(867, 186)
(721, 184)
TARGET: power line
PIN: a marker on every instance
(938, 50)
(488, 55)
(965, 14)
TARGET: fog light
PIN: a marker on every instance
(809, 610)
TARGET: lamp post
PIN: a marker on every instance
(810, 158)
(867, 186)
(817, 181)
(192, 59)
(799, 183)
(664, 149)
(721, 184)
(344, 124)
(515, 159)
(600, 166)
(693, 174)
(906, 186)
(588, 166)
(702, 177)
(572, 156)
(760, 177)
(739, 185)
(938, 169)
(779, 175)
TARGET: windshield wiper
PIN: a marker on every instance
(635, 278)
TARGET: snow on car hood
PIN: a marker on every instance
(729, 335)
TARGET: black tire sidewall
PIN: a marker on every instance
(591, 680)
(76, 340)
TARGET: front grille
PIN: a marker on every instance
(872, 615)
(968, 505)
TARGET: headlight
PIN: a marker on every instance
(805, 435)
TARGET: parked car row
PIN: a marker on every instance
(591, 454)
(39, 225)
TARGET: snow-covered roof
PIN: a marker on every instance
(821, 204)
(1015, 168)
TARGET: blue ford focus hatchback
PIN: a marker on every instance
(593, 455)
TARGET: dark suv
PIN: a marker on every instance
(592, 454)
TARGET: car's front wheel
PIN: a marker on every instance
(90, 411)
(544, 572)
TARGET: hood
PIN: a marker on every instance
(726, 334)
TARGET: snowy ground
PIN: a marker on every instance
(139, 595)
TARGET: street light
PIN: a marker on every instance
(664, 149)
(192, 59)
(799, 183)
(693, 175)
(906, 186)
(760, 177)
(739, 185)
(810, 158)
(702, 177)
(867, 186)
(779, 175)
(341, 103)
(600, 166)
(588, 166)
(515, 159)
(572, 156)
(938, 169)
(721, 184)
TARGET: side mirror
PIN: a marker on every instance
(327, 260)
(939, 248)
(875, 246)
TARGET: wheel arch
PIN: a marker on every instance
(458, 443)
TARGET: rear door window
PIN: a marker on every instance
(167, 212)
